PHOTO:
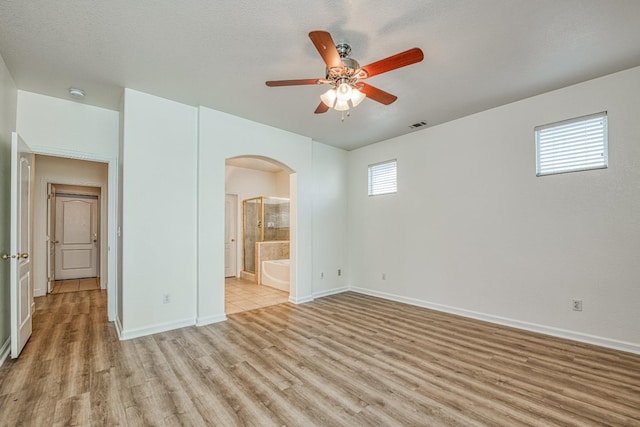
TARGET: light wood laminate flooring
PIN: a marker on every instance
(342, 360)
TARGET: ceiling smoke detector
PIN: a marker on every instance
(76, 93)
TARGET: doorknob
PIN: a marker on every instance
(23, 255)
(7, 256)
(233, 240)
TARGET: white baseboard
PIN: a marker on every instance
(118, 326)
(301, 300)
(208, 320)
(532, 327)
(330, 292)
(154, 329)
(5, 350)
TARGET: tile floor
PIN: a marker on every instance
(243, 295)
(240, 295)
(75, 285)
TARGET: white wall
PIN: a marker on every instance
(165, 161)
(47, 123)
(159, 215)
(223, 136)
(8, 108)
(473, 230)
(250, 183)
(330, 229)
(59, 170)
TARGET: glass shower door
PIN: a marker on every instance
(252, 212)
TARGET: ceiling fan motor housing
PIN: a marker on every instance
(350, 72)
(343, 49)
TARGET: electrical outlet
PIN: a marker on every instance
(339, 272)
(166, 298)
(384, 276)
(577, 305)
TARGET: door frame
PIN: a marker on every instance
(50, 229)
(104, 270)
(234, 214)
(97, 231)
(110, 234)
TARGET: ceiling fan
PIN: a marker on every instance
(345, 75)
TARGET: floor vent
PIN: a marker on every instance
(417, 125)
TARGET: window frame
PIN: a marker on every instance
(371, 191)
(541, 170)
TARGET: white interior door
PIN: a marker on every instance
(230, 231)
(76, 243)
(51, 227)
(21, 209)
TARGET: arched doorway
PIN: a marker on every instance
(258, 233)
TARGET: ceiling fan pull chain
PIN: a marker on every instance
(348, 114)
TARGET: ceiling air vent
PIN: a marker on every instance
(417, 125)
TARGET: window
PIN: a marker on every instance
(383, 178)
(572, 145)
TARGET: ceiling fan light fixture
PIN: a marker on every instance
(357, 97)
(344, 92)
(342, 105)
(343, 97)
(329, 97)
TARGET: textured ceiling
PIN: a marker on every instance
(478, 54)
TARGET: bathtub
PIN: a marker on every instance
(275, 273)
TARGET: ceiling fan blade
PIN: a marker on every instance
(398, 60)
(322, 108)
(377, 94)
(327, 48)
(274, 83)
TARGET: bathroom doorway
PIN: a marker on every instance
(260, 189)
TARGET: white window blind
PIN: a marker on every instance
(572, 145)
(383, 178)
